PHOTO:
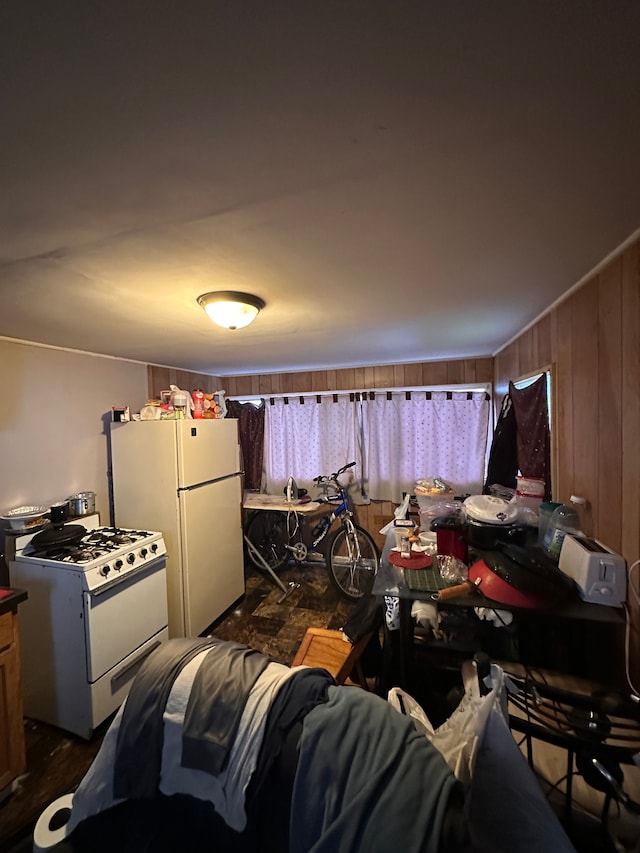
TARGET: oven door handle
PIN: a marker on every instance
(123, 675)
(157, 563)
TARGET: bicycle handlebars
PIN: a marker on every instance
(333, 477)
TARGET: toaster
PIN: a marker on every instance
(600, 575)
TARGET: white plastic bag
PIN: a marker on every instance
(459, 737)
(177, 392)
(399, 512)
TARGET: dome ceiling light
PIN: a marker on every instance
(230, 309)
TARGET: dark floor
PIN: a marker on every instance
(56, 761)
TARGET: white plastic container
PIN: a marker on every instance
(529, 492)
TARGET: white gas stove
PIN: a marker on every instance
(96, 608)
(103, 556)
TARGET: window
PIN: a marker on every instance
(395, 437)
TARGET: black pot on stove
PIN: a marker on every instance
(59, 512)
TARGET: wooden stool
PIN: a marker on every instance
(329, 650)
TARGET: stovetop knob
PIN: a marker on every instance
(131, 558)
(143, 552)
(104, 571)
(117, 565)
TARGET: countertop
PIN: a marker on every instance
(10, 598)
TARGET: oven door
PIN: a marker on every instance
(121, 615)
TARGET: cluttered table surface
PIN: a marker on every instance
(420, 585)
(410, 585)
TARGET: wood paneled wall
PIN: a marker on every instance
(160, 378)
(592, 341)
(451, 372)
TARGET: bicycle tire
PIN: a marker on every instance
(351, 575)
(267, 532)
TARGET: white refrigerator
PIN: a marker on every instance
(184, 479)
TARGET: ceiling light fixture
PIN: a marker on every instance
(230, 309)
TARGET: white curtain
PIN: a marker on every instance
(441, 434)
(305, 440)
(393, 441)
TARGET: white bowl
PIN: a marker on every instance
(25, 516)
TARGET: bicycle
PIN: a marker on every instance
(351, 553)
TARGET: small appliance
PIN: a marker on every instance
(451, 536)
(291, 490)
(599, 573)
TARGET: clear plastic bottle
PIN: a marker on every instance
(564, 519)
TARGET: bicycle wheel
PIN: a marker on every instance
(267, 533)
(352, 560)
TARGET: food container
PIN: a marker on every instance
(530, 492)
(23, 517)
(431, 492)
(198, 403)
(82, 503)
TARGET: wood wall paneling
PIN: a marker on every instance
(398, 376)
(319, 380)
(585, 381)
(630, 296)
(564, 400)
(630, 510)
(413, 375)
(160, 378)
(455, 372)
(609, 477)
(592, 340)
(382, 377)
(542, 352)
(452, 372)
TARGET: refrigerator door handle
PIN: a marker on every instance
(209, 482)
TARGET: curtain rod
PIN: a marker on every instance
(479, 386)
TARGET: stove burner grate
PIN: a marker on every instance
(122, 539)
(96, 544)
(83, 555)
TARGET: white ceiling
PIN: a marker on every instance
(399, 181)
